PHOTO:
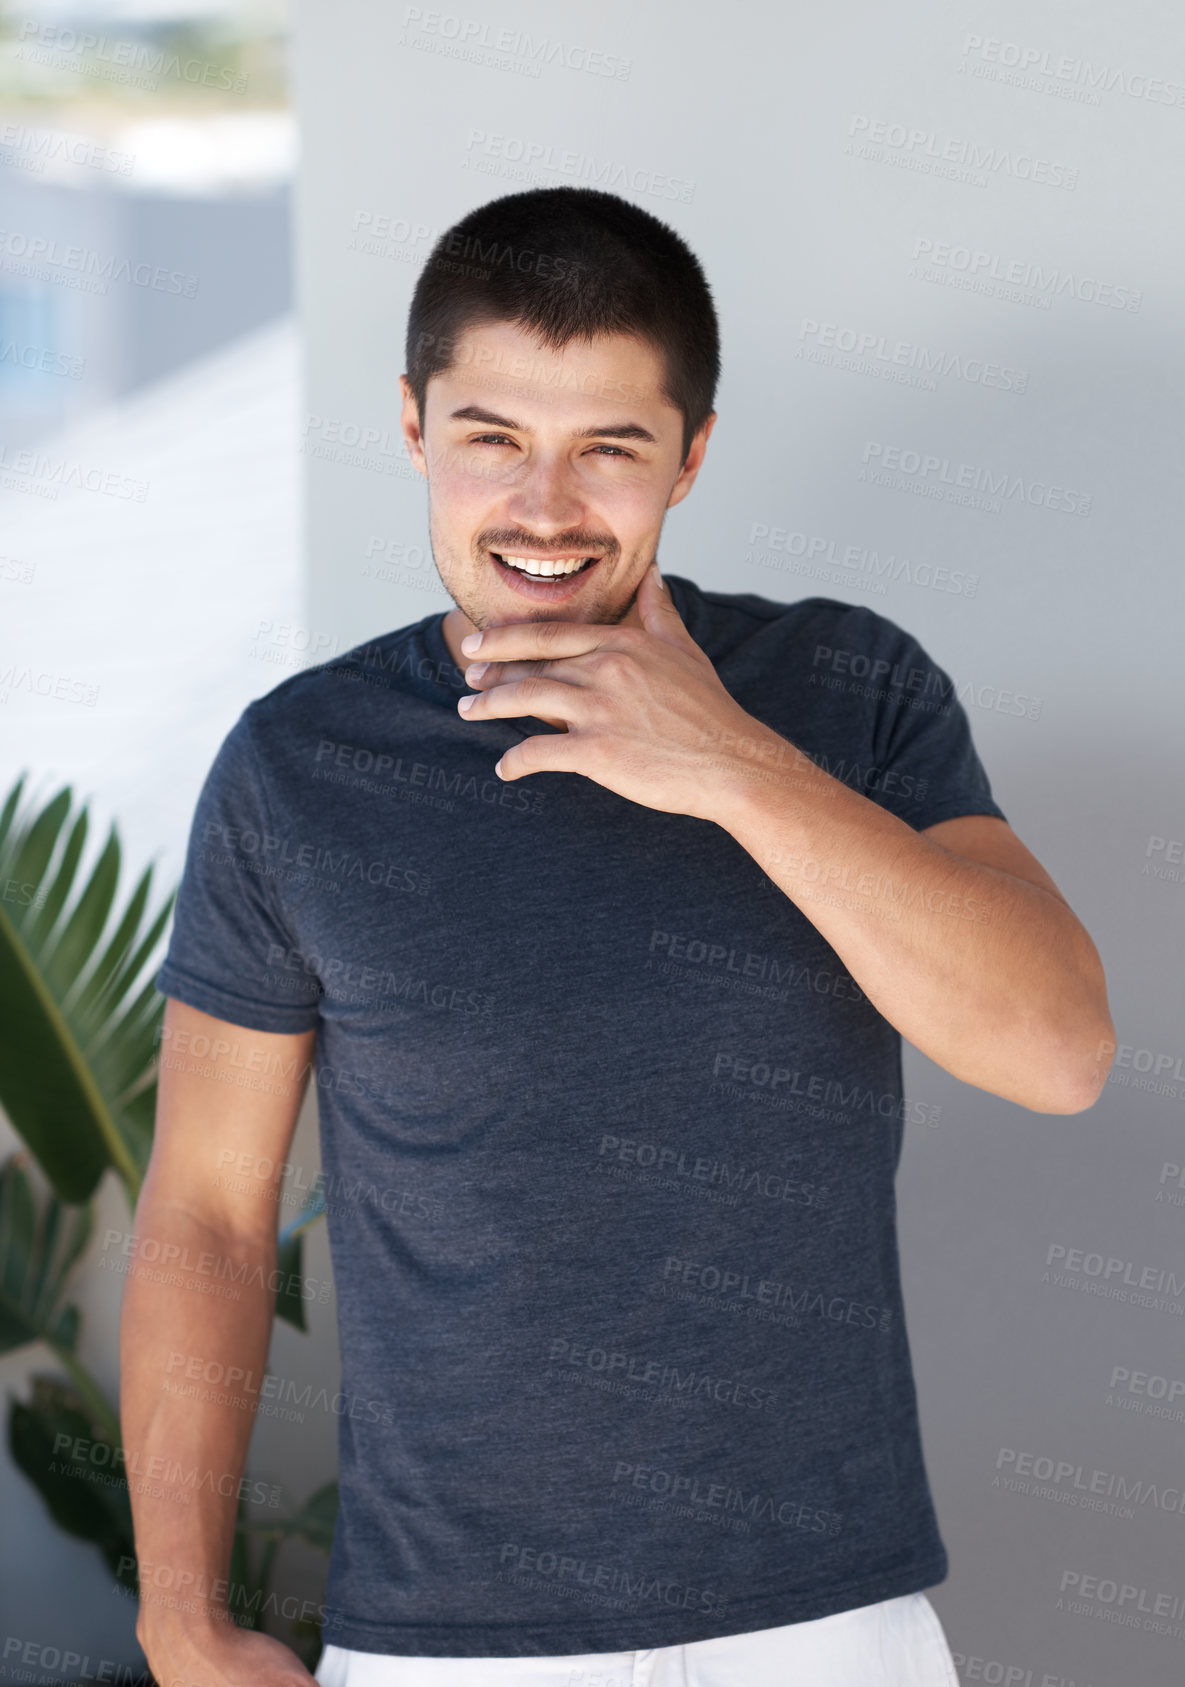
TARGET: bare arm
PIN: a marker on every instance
(956, 934)
(200, 1289)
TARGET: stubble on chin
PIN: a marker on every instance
(481, 617)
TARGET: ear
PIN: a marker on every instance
(658, 612)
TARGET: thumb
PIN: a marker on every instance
(658, 612)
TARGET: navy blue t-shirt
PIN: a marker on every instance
(609, 1137)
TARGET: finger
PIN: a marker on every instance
(538, 640)
(551, 754)
(532, 696)
(659, 615)
(481, 676)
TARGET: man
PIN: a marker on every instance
(603, 902)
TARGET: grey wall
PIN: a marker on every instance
(997, 247)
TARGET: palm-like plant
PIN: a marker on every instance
(80, 1026)
(77, 1038)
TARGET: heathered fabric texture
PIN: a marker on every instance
(609, 1138)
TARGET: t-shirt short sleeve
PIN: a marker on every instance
(230, 938)
(929, 767)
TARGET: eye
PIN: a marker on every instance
(504, 439)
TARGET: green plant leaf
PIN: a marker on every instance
(11, 804)
(38, 1254)
(84, 1494)
(78, 1045)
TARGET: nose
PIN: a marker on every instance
(546, 499)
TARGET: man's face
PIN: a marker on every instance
(532, 454)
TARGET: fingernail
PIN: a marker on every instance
(465, 704)
(470, 643)
(475, 670)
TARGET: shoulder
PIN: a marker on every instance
(338, 691)
(826, 622)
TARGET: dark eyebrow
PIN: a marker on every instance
(615, 430)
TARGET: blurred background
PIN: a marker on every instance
(944, 245)
(149, 545)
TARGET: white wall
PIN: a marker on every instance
(768, 114)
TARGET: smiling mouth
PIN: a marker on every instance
(544, 570)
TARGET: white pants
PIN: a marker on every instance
(896, 1643)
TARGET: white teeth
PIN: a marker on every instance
(545, 567)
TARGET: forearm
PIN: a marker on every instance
(993, 978)
(173, 1429)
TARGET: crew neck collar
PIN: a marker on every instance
(445, 672)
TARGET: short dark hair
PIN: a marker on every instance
(564, 263)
